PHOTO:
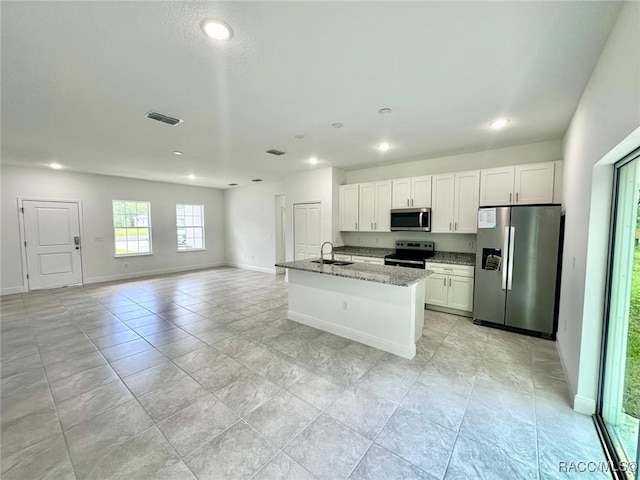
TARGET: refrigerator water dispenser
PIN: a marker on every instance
(491, 259)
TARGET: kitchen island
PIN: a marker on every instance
(378, 305)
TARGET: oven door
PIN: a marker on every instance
(404, 262)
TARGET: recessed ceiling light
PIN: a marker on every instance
(177, 152)
(313, 160)
(55, 166)
(385, 111)
(383, 147)
(232, 184)
(256, 180)
(192, 176)
(300, 136)
(217, 29)
(337, 125)
(499, 123)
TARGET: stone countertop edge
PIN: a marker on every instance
(363, 251)
(456, 258)
(397, 276)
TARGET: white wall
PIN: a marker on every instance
(530, 153)
(600, 133)
(251, 226)
(96, 193)
(310, 187)
(444, 242)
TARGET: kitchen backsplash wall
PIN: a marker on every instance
(445, 242)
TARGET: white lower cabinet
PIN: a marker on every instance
(450, 286)
(371, 260)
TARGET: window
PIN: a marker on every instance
(190, 227)
(132, 227)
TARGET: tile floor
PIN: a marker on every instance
(200, 375)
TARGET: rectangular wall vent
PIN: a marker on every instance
(163, 118)
(275, 152)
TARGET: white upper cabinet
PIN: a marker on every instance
(534, 183)
(455, 202)
(442, 203)
(412, 192)
(466, 202)
(518, 185)
(365, 207)
(496, 186)
(349, 197)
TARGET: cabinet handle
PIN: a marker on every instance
(371, 225)
(516, 197)
(449, 225)
(356, 225)
(455, 226)
(509, 197)
(445, 281)
(375, 225)
(412, 202)
(408, 202)
(449, 282)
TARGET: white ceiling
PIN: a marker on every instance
(78, 77)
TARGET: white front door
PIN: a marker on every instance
(52, 236)
(306, 230)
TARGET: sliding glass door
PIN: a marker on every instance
(619, 403)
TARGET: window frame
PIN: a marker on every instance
(201, 227)
(114, 227)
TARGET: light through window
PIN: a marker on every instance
(190, 226)
(132, 227)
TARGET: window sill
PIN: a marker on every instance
(125, 255)
(187, 250)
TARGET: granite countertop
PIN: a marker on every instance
(454, 258)
(398, 276)
(364, 251)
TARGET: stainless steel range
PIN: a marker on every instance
(410, 254)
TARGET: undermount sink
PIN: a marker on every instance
(339, 263)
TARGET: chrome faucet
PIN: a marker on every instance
(322, 250)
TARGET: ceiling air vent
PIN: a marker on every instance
(275, 152)
(163, 118)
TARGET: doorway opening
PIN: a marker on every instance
(618, 411)
(280, 217)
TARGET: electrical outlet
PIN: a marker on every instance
(345, 306)
(471, 244)
(126, 265)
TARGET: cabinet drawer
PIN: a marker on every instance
(372, 260)
(342, 257)
(451, 269)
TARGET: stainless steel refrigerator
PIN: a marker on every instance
(517, 267)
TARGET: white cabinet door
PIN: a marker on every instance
(460, 294)
(467, 192)
(370, 260)
(496, 186)
(534, 183)
(367, 210)
(382, 221)
(401, 193)
(421, 191)
(306, 230)
(442, 203)
(436, 286)
(349, 207)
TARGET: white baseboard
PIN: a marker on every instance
(253, 268)
(149, 273)
(12, 290)
(573, 388)
(584, 405)
(376, 342)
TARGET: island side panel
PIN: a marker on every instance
(383, 316)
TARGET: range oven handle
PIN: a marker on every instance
(401, 261)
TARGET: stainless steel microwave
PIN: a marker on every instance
(415, 219)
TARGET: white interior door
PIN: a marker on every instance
(306, 230)
(52, 236)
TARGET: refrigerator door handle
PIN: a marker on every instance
(505, 249)
(512, 241)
